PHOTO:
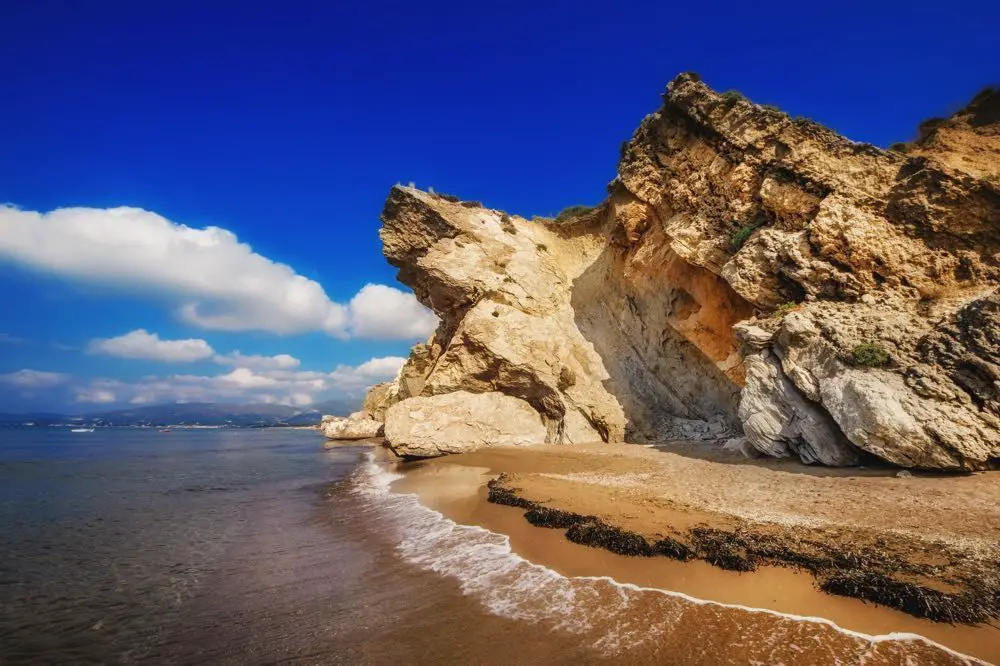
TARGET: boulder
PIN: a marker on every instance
(379, 398)
(459, 422)
(359, 425)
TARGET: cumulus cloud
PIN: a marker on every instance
(378, 311)
(353, 380)
(141, 344)
(216, 281)
(34, 379)
(245, 385)
(255, 362)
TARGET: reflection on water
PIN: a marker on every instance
(259, 546)
(237, 547)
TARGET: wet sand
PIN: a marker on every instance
(645, 489)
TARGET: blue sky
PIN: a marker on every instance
(283, 125)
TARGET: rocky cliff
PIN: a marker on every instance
(750, 277)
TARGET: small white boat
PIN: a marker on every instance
(82, 430)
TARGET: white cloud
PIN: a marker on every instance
(34, 379)
(141, 344)
(216, 281)
(255, 362)
(378, 311)
(245, 378)
(245, 385)
(97, 396)
(354, 380)
(241, 385)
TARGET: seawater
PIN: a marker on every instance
(259, 546)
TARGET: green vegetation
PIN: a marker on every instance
(568, 213)
(731, 97)
(870, 354)
(740, 237)
(901, 147)
(541, 247)
(772, 107)
(785, 308)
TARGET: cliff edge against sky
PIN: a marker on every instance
(751, 278)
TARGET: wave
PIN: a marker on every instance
(620, 618)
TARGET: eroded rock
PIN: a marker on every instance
(621, 323)
(460, 422)
(359, 425)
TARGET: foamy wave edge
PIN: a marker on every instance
(375, 480)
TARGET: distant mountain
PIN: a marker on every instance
(195, 413)
(37, 418)
(199, 413)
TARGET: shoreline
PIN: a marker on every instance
(636, 534)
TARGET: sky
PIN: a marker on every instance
(191, 190)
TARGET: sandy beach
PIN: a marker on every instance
(935, 534)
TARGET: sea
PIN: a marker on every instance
(225, 546)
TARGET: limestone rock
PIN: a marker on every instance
(779, 421)
(379, 398)
(739, 261)
(359, 425)
(460, 422)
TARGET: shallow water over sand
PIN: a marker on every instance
(259, 546)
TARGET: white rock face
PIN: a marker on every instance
(459, 422)
(779, 421)
(359, 425)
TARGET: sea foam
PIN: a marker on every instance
(619, 618)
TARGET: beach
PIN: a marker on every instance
(944, 523)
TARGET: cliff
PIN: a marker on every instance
(750, 277)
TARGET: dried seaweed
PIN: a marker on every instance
(966, 607)
(601, 535)
(870, 573)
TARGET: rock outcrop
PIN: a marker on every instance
(459, 422)
(359, 425)
(749, 275)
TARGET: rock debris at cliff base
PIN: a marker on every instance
(751, 278)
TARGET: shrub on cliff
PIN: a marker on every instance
(731, 97)
(784, 309)
(740, 237)
(568, 213)
(870, 354)
(507, 224)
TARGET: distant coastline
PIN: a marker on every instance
(181, 415)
